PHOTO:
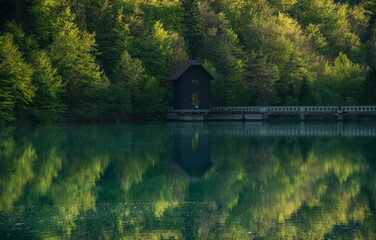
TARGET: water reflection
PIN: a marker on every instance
(192, 151)
(188, 181)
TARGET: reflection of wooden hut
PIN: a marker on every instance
(192, 87)
(192, 155)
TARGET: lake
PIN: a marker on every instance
(189, 181)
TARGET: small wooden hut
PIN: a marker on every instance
(192, 87)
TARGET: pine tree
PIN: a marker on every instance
(130, 73)
(47, 105)
(193, 26)
(305, 93)
(108, 22)
(260, 78)
(26, 44)
(151, 105)
(71, 53)
(146, 94)
(369, 88)
(45, 13)
(16, 90)
(154, 50)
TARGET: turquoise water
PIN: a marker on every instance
(189, 181)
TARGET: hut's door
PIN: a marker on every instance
(195, 100)
(195, 97)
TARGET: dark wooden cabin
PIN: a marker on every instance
(192, 87)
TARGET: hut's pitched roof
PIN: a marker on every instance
(185, 67)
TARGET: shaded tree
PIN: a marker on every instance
(107, 20)
(305, 93)
(146, 94)
(341, 83)
(47, 105)
(192, 22)
(72, 54)
(260, 78)
(16, 89)
(369, 88)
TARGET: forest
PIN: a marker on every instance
(110, 60)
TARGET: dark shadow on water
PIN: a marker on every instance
(191, 153)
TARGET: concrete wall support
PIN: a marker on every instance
(265, 117)
(262, 113)
(339, 115)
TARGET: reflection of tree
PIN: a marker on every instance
(281, 184)
(16, 167)
(39, 174)
(117, 182)
(131, 167)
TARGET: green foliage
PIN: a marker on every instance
(331, 43)
(318, 41)
(154, 51)
(337, 22)
(221, 48)
(146, 94)
(112, 33)
(306, 97)
(26, 44)
(128, 78)
(71, 53)
(47, 105)
(217, 86)
(369, 88)
(178, 54)
(16, 90)
(341, 83)
(118, 104)
(130, 73)
(45, 13)
(235, 92)
(192, 22)
(151, 103)
(261, 76)
(283, 5)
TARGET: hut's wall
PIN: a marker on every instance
(194, 89)
(177, 90)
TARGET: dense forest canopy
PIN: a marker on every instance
(110, 60)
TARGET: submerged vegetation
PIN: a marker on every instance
(102, 60)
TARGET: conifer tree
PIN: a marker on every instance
(261, 76)
(71, 53)
(25, 43)
(112, 33)
(16, 90)
(154, 50)
(147, 96)
(193, 26)
(45, 13)
(151, 101)
(369, 88)
(47, 105)
(305, 93)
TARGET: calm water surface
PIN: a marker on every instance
(189, 181)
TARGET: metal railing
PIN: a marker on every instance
(296, 109)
